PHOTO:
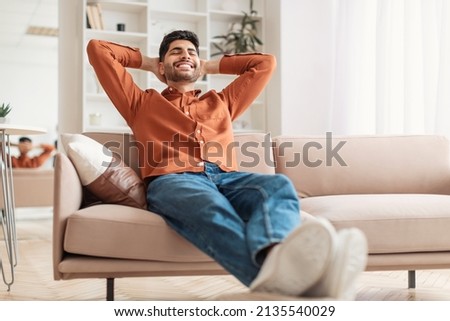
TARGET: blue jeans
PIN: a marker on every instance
(231, 216)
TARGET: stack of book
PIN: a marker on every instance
(94, 16)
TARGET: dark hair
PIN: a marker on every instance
(24, 140)
(177, 35)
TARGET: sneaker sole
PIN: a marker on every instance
(301, 260)
(348, 265)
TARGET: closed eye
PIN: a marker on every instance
(177, 51)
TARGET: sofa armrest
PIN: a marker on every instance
(67, 199)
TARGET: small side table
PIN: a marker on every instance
(8, 218)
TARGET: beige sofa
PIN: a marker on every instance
(394, 188)
(33, 187)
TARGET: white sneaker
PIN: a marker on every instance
(349, 260)
(299, 261)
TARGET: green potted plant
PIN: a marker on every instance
(5, 109)
(241, 37)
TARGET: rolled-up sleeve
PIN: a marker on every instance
(110, 61)
(254, 70)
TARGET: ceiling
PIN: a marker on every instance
(16, 16)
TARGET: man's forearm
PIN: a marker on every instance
(210, 67)
(150, 64)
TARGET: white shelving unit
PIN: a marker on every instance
(83, 104)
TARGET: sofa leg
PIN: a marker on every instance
(412, 279)
(110, 289)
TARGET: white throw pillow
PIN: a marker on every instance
(103, 173)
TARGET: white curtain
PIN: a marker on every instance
(391, 67)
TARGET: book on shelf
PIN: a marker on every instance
(90, 17)
(98, 11)
(94, 16)
(88, 25)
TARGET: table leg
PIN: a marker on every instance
(7, 219)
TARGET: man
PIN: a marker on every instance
(25, 146)
(249, 223)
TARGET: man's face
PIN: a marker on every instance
(181, 62)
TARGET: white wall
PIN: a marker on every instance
(29, 82)
(298, 33)
(303, 47)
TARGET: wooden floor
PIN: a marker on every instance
(34, 279)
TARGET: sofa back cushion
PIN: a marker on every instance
(254, 152)
(329, 165)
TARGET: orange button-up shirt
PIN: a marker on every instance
(176, 132)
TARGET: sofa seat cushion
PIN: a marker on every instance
(393, 223)
(118, 231)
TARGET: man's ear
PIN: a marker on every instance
(161, 68)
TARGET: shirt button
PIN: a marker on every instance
(200, 163)
(201, 142)
(198, 131)
(186, 112)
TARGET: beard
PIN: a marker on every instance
(172, 74)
